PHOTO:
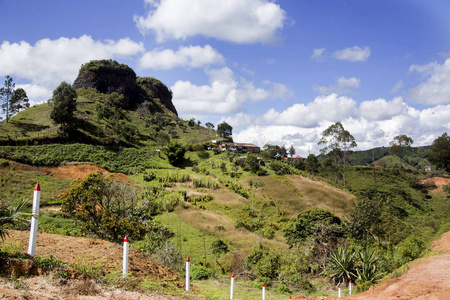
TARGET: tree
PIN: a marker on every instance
(224, 129)
(174, 152)
(400, 145)
(104, 207)
(439, 153)
(338, 142)
(19, 100)
(64, 105)
(312, 164)
(292, 151)
(209, 125)
(298, 229)
(12, 100)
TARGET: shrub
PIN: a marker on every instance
(200, 272)
(283, 288)
(258, 282)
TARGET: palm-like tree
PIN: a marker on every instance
(12, 216)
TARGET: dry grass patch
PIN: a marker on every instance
(207, 221)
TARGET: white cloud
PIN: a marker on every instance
(190, 57)
(36, 93)
(317, 53)
(380, 109)
(330, 108)
(224, 94)
(49, 62)
(239, 21)
(342, 86)
(397, 87)
(303, 125)
(436, 89)
(354, 53)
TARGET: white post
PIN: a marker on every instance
(264, 291)
(34, 220)
(232, 287)
(339, 289)
(350, 287)
(188, 266)
(125, 257)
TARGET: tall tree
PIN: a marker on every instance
(439, 153)
(400, 145)
(6, 94)
(19, 101)
(64, 105)
(209, 125)
(292, 151)
(338, 143)
(224, 129)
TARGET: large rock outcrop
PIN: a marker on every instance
(108, 76)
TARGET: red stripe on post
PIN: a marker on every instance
(188, 259)
(125, 240)
(37, 187)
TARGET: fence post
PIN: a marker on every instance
(125, 256)
(34, 219)
(188, 266)
(232, 287)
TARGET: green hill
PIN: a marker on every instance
(266, 220)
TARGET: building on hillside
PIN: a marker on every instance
(240, 147)
(297, 157)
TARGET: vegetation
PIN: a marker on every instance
(12, 216)
(13, 100)
(64, 104)
(228, 211)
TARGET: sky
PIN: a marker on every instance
(279, 72)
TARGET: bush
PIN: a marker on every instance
(283, 288)
(200, 272)
(258, 282)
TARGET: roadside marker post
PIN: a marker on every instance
(350, 288)
(34, 219)
(232, 287)
(188, 272)
(339, 291)
(264, 291)
(125, 256)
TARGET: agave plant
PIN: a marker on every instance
(368, 270)
(12, 216)
(342, 265)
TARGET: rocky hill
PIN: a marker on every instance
(108, 76)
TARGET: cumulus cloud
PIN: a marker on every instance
(239, 21)
(224, 93)
(381, 109)
(342, 86)
(332, 108)
(49, 62)
(354, 53)
(189, 57)
(436, 89)
(374, 124)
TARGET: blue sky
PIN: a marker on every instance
(279, 72)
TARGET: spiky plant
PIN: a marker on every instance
(12, 216)
(368, 270)
(342, 265)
